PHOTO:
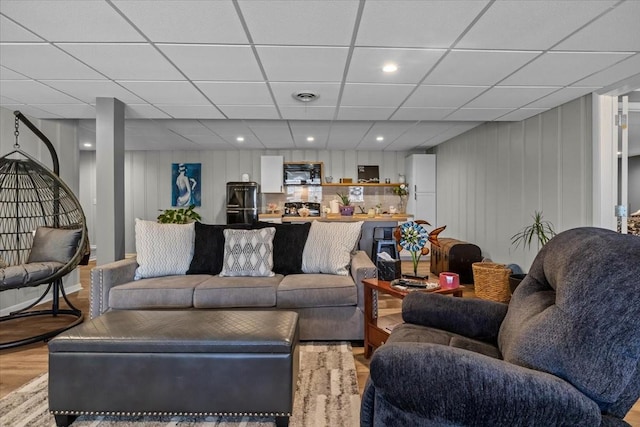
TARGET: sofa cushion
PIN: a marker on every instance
(218, 292)
(316, 290)
(157, 292)
(163, 249)
(248, 253)
(54, 245)
(208, 248)
(329, 246)
(575, 317)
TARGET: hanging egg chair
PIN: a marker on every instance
(43, 235)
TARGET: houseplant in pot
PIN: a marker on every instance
(346, 208)
(179, 216)
(539, 231)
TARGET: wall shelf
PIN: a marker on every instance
(360, 184)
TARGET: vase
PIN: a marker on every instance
(346, 210)
(402, 205)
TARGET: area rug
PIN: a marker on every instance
(326, 395)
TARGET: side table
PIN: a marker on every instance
(375, 336)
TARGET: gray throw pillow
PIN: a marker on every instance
(54, 244)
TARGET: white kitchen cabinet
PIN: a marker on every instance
(420, 170)
(271, 174)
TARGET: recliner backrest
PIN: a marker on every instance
(576, 315)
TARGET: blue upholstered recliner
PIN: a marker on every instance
(564, 352)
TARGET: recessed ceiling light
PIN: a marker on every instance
(390, 68)
(305, 95)
(380, 138)
(240, 139)
(310, 139)
(87, 144)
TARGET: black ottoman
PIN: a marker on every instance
(199, 363)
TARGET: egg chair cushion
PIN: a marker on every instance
(20, 276)
(54, 244)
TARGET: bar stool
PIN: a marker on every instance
(383, 241)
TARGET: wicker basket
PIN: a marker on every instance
(491, 281)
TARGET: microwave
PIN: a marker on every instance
(302, 173)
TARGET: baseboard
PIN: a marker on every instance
(68, 290)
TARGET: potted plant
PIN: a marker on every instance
(346, 208)
(540, 231)
(402, 191)
(179, 216)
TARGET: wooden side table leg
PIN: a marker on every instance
(368, 319)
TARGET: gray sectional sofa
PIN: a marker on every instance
(330, 306)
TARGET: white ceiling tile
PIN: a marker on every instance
(307, 112)
(70, 111)
(88, 90)
(613, 74)
(467, 67)
(70, 20)
(44, 61)
(274, 134)
(191, 111)
(365, 113)
(30, 111)
(366, 64)
(12, 32)
(187, 126)
(375, 95)
(250, 111)
(32, 92)
(485, 114)
(207, 62)
(316, 22)
(457, 129)
(144, 111)
(443, 96)
(185, 21)
(389, 130)
(125, 61)
(7, 74)
(419, 113)
(291, 64)
(560, 97)
(520, 114)
(347, 134)
(415, 23)
(328, 92)
(239, 93)
(562, 68)
(536, 25)
(210, 141)
(227, 129)
(169, 93)
(303, 129)
(509, 96)
(4, 100)
(618, 30)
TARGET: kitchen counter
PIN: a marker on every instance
(337, 218)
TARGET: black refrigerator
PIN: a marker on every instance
(242, 202)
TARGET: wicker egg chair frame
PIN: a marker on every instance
(31, 195)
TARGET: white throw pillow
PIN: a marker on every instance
(248, 252)
(163, 249)
(329, 246)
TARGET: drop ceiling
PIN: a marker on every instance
(200, 74)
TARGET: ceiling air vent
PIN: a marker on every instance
(305, 96)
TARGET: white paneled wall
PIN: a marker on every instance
(148, 177)
(491, 179)
(63, 136)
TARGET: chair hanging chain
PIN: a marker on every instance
(17, 133)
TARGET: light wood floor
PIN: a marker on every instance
(19, 366)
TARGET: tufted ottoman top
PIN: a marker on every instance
(193, 331)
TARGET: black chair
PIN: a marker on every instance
(43, 234)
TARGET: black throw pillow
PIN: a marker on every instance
(288, 245)
(208, 250)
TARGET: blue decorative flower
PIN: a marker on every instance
(413, 236)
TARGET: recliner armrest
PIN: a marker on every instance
(470, 317)
(106, 276)
(451, 386)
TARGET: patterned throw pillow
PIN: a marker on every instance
(329, 246)
(163, 249)
(248, 253)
